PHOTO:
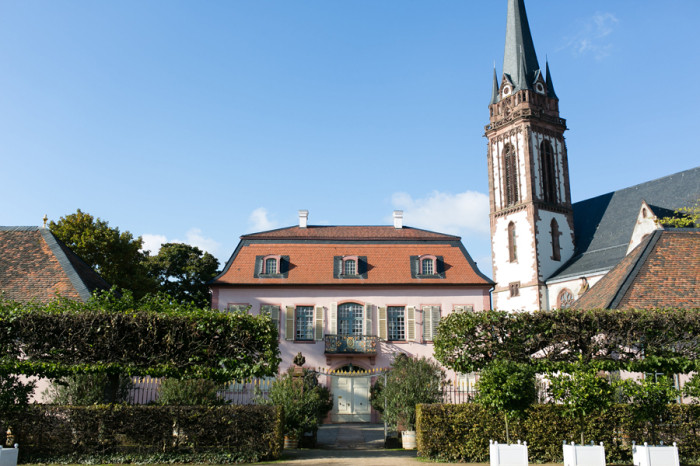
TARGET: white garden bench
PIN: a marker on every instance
(8, 456)
(655, 455)
(502, 454)
(584, 455)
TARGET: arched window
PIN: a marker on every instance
(512, 249)
(271, 265)
(549, 179)
(350, 267)
(556, 248)
(427, 266)
(510, 177)
(565, 299)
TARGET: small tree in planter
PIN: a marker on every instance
(582, 391)
(410, 381)
(304, 401)
(649, 400)
(507, 387)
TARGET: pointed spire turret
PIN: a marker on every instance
(494, 92)
(550, 84)
(520, 49)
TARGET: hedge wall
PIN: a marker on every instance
(158, 434)
(146, 337)
(462, 432)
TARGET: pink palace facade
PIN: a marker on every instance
(351, 297)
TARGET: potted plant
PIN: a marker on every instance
(507, 387)
(305, 403)
(410, 381)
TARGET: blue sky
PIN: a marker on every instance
(202, 121)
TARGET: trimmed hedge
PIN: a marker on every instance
(125, 434)
(462, 432)
(151, 336)
(656, 340)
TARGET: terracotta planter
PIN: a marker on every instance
(290, 442)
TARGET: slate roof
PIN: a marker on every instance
(36, 266)
(311, 253)
(604, 224)
(662, 271)
(519, 56)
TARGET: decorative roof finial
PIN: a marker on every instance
(46, 219)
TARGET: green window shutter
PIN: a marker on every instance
(289, 329)
(411, 323)
(383, 333)
(435, 318)
(427, 324)
(275, 315)
(318, 329)
(333, 330)
(368, 319)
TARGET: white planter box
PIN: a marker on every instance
(8, 456)
(655, 455)
(514, 454)
(584, 455)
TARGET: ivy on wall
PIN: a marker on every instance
(119, 334)
(661, 340)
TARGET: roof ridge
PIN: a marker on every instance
(65, 263)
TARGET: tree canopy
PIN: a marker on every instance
(182, 271)
(115, 255)
(685, 217)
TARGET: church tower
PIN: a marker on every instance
(530, 202)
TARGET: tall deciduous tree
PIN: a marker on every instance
(115, 255)
(182, 271)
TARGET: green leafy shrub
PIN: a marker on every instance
(191, 392)
(410, 381)
(14, 393)
(304, 402)
(89, 389)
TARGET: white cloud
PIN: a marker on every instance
(259, 221)
(459, 214)
(592, 36)
(193, 237)
(152, 243)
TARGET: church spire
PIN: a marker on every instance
(494, 91)
(520, 50)
(550, 84)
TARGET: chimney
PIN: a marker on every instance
(398, 219)
(303, 218)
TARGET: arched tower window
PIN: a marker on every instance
(565, 299)
(549, 179)
(556, 248)
(512, 249)
(510, 176)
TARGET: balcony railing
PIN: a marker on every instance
(351, 344)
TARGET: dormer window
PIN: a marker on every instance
(271, 266)
(427, 265)
(350, 266)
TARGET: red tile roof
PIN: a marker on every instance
(388, 250)
(35, 266)
(352, 233)
(660, 272)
